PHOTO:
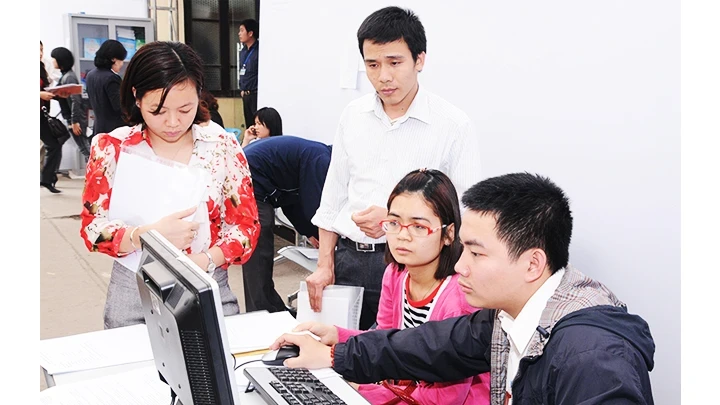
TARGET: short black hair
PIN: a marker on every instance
(391, 24)
(530, 211)
(251, 26)
(269, 117)
(161, 65)
(64, 58)
(440, 194)
(109, 50)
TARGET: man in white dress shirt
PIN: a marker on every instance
(382, 137)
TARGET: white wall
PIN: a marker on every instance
(586, 93)
(53, 16)
(54, 32)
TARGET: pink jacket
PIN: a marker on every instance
(451, 303)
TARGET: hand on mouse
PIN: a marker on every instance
(313, 354)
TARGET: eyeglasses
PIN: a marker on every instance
(393, 227)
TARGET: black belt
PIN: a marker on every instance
(363, 247)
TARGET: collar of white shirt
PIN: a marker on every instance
(521, 329)
(419, 108)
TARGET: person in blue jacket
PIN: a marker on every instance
(288, 172)
(555, 336)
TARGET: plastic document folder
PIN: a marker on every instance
(341, 306)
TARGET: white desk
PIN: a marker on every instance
(70, 371)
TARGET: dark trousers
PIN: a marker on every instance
(82, 141)
(257, 272)
(250, 108)
(363, 269)
(53, 153)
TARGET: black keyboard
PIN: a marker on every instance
(299, 386)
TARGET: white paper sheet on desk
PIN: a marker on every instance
(248, 332)
(147, 188)
(95, 349)
(137, 387)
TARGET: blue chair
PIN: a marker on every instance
(237, 132)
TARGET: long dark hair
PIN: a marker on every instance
(161, 65)
(439, 193)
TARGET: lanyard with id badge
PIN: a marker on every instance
(242, 70)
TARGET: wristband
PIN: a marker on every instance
(132, 236)
(211, 265)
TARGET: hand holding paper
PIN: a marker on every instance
(176, 229)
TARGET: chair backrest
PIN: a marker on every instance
(237, 132)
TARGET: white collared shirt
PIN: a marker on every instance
(521, 329)
(371, 153)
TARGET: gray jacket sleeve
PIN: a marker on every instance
(78, 113)
(447, 350)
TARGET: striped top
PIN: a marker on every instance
(416, 313)
(371, 154)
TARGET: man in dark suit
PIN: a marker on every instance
(248, 34)
(288, 172)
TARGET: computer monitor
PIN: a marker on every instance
(184, 318)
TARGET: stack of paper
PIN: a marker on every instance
(95, 349)
(126, 37)
(341, 306)
(131, 344)
(138, 387)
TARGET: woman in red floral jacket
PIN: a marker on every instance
(160, 99)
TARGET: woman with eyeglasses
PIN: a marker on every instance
(419, 284)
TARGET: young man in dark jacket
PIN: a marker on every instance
(555, 337)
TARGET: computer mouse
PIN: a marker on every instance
(277, 357)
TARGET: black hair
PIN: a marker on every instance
(109, 50)
(251, 26)
(269, 117)
(160, 65)
(392, 24)
(440, 194)
(64, 58)
(530, 212)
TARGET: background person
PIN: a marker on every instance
(103, 86)
(248, 34)
(288, 172)
(74, 108)
(267, 123)
(53, 146)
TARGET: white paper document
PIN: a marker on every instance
(137, 387)
(147, 188)
(257, 331)
(341, 306)
(91, 350)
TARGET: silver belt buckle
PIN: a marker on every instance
(364, 247)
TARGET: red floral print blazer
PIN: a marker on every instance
(232, 210)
